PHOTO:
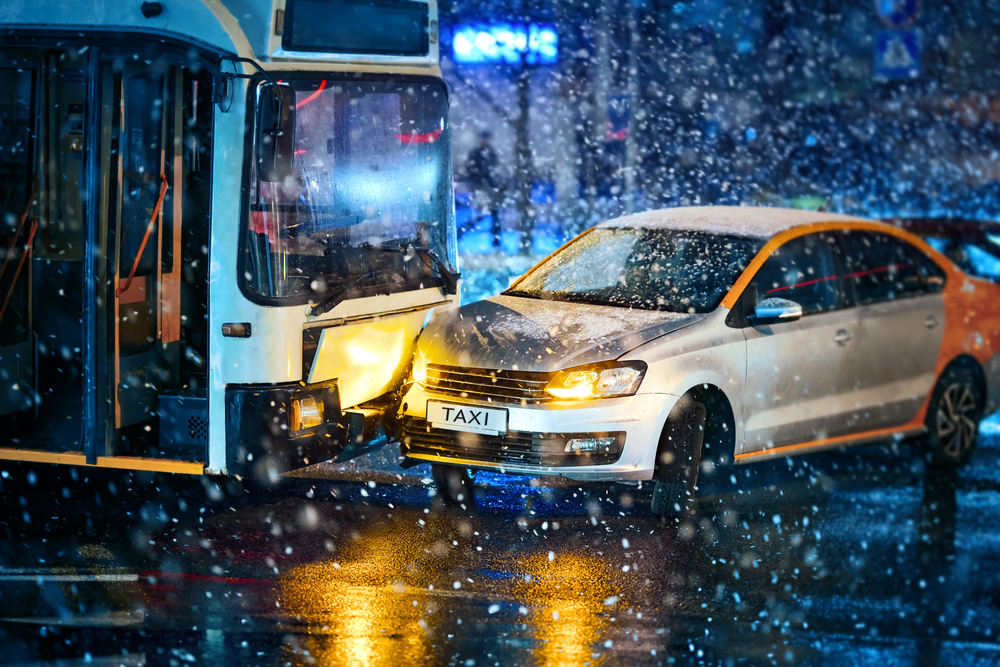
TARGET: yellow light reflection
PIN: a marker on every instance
(377, 358)
(358, 610)
(373, 605)
(571, 600)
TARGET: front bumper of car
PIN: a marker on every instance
(534, 443)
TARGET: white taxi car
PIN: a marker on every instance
(660, 344)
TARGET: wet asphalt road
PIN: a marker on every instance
(849, 558)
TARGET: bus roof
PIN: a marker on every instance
(255, 29)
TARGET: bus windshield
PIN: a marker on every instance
(367, 207)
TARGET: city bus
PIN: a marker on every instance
(224, 225)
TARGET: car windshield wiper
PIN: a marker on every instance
(517, 292)
(571, 297)
(566, 297)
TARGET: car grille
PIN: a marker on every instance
(539, 449)
(484, 384)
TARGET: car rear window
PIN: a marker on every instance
(882, 267)
(979, 259)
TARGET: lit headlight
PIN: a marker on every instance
(419, 369)
(598, 381)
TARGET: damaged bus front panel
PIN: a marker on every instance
(180, 293)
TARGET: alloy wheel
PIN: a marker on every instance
(956, 422)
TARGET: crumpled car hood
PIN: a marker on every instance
(507, 332)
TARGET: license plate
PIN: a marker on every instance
(469, 418)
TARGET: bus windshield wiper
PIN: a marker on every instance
(449, 278)
(333, 299)
(336, 297)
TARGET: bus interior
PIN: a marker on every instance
(105, 168)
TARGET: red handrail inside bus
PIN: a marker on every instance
(20, 265)
(149, 229)
(20, 226)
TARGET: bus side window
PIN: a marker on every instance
(194, 242)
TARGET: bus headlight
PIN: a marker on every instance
(306, 412)
(598, 381)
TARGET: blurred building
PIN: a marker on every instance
(653, 103)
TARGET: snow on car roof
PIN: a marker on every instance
(750, 221)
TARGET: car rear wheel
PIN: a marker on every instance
(678, 457)
(454, 484)
(953, 417)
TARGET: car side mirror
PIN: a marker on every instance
(275, 132)
(774, 311)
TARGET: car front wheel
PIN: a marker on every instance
(454, 484)
(678, 458)
(953, 417)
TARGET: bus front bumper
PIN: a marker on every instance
(260, 442)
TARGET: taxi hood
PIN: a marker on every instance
(517, 333)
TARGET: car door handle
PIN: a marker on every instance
(932, 321)
(843, 337)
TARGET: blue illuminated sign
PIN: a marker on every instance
(897, 13)
(504, 43)
(897, 54)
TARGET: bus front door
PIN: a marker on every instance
(137, 187)
(152, 404)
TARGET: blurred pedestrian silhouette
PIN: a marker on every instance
(480, 168)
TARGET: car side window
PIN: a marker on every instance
(803, 270)
(933, 275)
(881, 267)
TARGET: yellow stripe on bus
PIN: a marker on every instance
(120, 462)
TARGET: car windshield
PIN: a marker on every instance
(676, 271)
(367, 205)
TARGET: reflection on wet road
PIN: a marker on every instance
(858, 557)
